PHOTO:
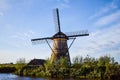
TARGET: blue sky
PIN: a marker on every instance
(22, 20)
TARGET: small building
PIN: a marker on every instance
(36, 62)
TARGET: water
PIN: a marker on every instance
(15, 77)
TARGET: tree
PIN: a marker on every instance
(21, 61)
(78, 60)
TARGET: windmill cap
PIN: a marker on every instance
(59, 35)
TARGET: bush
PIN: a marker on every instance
(7, 69)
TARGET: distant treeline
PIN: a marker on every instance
(104, 68)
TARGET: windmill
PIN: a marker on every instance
(60, 48)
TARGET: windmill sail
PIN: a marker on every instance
(77, 33)
(40, 40)
(57, 20)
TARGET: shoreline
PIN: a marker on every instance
(81, 68)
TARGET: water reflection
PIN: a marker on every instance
(15, 77)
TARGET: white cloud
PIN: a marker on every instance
(99, 43)
(63, 4)
(23, 35)
(106, 9)
(66, 1)
(23, 38)
(4, 5)
(1, 14)
(31, 32)
(105, 20)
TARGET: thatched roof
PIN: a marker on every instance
(36, 62)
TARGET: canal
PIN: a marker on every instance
(15, 77)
